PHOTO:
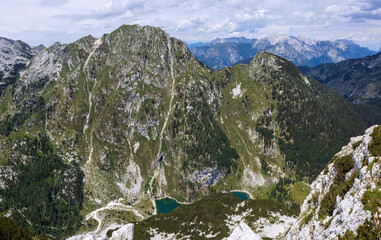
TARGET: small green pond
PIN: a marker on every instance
(242, 195)
(166, 205)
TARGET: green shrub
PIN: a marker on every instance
(339, 186)
(356, 144)
(11, 230)
(375, 144)
(370, 229)
(43, 182)
(372, 200)
(306, 219)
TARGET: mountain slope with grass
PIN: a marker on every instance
(97, 129)
(357, 80)
(219, 216)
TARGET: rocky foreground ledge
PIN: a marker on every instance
(345, 199)
(126, 232)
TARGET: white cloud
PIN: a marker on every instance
(128, 14)
(42, 21)
(307, 16)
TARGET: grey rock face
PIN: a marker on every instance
(46, 66)
(14, 56)
(349, 212)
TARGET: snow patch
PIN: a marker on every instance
(237, 92)
(306, 80)
(272, 230)
(136, 147)
(243, 232)
(126, 233)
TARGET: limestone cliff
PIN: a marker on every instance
(345, 198)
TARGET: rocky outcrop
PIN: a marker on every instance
(125, 232)
(344, 199)
(46, 66)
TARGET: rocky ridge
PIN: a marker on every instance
(14, 57)
(349, 207)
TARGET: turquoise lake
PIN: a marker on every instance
(166, 205)
(242, 195)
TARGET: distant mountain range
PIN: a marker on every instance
(358, 80)
(301, 51)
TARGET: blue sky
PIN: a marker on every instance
(48, 21)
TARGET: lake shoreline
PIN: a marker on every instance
(251, 197)
(153, 200)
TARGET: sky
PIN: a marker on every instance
(48, 21)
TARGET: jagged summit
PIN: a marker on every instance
(280, 38)
(265, 58)
(14, 53)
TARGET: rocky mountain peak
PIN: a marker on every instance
(231, 40)
(275, 63)
(14, 57)
(280, 38)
